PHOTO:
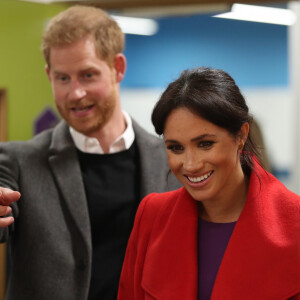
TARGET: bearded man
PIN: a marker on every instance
(79, 183)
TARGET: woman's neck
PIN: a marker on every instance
(229, 208)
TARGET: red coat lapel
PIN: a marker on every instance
(262, 260)
(170, 268)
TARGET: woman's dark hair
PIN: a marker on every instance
(214, 96)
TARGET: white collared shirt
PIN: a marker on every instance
(91, 145)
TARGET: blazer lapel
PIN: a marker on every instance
(66, 169)
(260, 261)
(153, 164)
(170, 269)
(149, 156)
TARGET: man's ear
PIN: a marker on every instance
(120, 66)
(47, 69)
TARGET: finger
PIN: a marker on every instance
(7, 196)
(4, 222)
(5, 210)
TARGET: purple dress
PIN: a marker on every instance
(212, 243)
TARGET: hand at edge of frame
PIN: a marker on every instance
(7, 196)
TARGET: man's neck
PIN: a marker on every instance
(111, 131)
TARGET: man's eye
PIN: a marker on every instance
(62, 78)
(205, 144)
(175, 148)
(88, 75)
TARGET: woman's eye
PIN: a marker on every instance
(175, 148)
(206, 144)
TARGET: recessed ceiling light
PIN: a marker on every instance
(140, 26)
(261, 14)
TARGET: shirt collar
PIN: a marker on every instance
(91, 145)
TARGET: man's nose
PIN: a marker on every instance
(77, 91)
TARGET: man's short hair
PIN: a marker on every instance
(78, 22)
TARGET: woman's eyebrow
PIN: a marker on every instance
(203, 136)
(200, 137)
(170, 141)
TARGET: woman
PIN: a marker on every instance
(233, 231)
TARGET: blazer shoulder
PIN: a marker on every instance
(145, 136)
(40, 144)
(36, 144)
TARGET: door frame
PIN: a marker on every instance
(3, 136)
(3, 114)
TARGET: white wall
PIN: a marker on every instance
(272, 109)
(294, 74)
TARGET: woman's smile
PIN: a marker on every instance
(199, 179)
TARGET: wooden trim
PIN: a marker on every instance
(3, 113)
(2, 271)
(3, 132)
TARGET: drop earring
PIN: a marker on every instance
(241, 146)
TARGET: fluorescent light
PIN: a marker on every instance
(260, 14)
(137, 25)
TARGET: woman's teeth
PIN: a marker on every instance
(200, 178)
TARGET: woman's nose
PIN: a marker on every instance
(192, 162)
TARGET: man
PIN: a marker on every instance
(81, 182)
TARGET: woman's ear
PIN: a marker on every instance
(120, 66)
(244, 132)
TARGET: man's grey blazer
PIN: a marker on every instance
(51, 238)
